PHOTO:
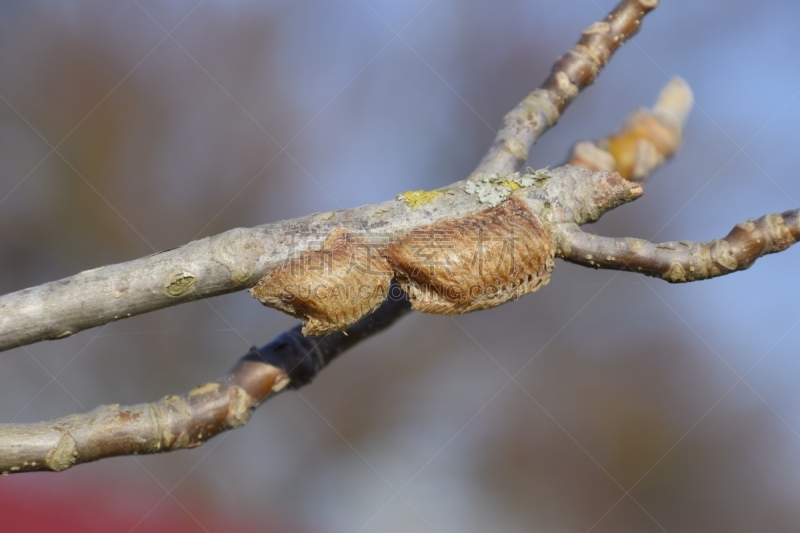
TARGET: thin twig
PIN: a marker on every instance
(186, 420)
(574, 71)
(647, 138)
(683, 261)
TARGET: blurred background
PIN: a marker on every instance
(637, 406)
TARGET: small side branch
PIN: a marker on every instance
(574, 71)
(683, 261)
(188, 420)
(647, 138)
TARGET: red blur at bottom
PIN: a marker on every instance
(33, 503)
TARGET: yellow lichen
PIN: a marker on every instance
(418, 198)
(495, 188)
(675, 274)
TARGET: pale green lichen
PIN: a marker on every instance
(495, 188)
(676, 274)
(237, 251)
(635, 244)
(63, 454)
(724, 255)
(239, 407)
(418, 198)
(179, 283)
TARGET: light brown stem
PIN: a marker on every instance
(683, 261)
(186, 420)
(575, 70)
(647, 138)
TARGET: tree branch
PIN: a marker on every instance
(574, 71)
(683, 261)
(562, 199)
(237, 259)
(647, 138)
(187, 420)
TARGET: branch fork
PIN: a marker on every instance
(539, 213)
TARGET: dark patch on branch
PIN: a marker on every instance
(187, 420)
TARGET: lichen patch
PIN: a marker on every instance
(495, 188)
(179, 283)
(723, 255)
(63, 455)
(418, 198)
(237, 251)
(676, 274)
(239, 407)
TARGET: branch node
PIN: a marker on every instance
(239, 408)
(62, 455)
